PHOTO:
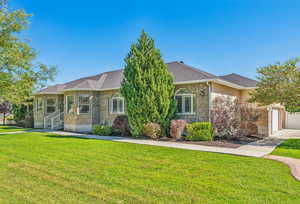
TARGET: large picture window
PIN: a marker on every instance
(117, 105)
(83, 104)
(51, 105)
(70, 104)
(186, 102)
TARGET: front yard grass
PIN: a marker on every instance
(4, 128)
(289, 148)
(47, 168)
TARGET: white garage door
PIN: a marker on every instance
(275, 120)
(293, 121)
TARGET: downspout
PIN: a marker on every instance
(209, 100)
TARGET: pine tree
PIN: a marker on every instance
(147, 86)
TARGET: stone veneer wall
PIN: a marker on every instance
(201, 90)
(106, 117)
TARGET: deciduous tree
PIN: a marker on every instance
(19, 73)
(279, 83)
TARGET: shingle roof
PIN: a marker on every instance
(239, 80)
(112, 80)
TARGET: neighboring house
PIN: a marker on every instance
(80, 104)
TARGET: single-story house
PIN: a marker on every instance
(80, 104)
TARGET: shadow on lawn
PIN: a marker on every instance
(290, 144)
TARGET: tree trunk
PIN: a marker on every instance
(3, 118)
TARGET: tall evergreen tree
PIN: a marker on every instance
(147, 86)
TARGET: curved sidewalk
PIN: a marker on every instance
(255, 149)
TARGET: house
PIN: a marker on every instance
(80, 104)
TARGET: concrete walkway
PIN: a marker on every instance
(256, 149)
(23, 131)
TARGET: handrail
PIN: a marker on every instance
(52, 117)
(53, 125)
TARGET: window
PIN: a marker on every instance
(84, 104)
(117, 105)
(39, 104)
(186, 102)
(51, 105)
(70, 104)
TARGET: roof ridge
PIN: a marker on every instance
(196, 69)
(235, 74)
(101, 80)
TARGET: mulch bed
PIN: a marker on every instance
(218, 142)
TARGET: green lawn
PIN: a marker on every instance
(11, 129)
(289, 148)
(44, 168)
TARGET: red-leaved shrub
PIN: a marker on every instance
(120, 125)
(232, 118)
(176, 128)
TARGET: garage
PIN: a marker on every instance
(292, 121)
(275, 120)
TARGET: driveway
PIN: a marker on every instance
(287, 134)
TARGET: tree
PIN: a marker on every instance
(19, 73)
(147, 86)
(279, 83)
(5, 108)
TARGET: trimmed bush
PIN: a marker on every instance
(121, 126)
(152, 130)
(102, 130)
(176, 128)
(198, 131)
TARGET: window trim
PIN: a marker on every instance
(111, 105)
(78, 108)
(67, 111)
(39, 108)
(186, 95)
(55, 103)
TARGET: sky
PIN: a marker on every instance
(84, 38)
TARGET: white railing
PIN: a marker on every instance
(57, 122)
(47, 119)
(54, 120)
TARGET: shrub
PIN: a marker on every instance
(121, 126)
(176, 128)
(200, 131)
(102, 130)
(225, 116)
(152, 130)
